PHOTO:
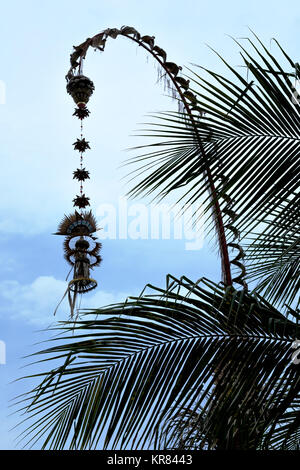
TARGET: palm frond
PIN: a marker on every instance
(274, 254)
(132, 368)
(286, 435)
(249, 130)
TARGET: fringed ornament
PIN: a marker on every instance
(78, 224)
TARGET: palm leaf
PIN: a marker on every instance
(274, 254)
(250, 132)
(135, 367)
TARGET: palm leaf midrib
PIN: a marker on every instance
(221, 336)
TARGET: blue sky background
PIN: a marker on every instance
(37, 160)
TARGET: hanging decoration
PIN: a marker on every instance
(188, 104)
(81, 248)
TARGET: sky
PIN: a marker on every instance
(37, 130)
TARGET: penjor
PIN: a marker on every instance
(80, 246)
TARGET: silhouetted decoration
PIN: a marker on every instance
(81, 201)
(81, 174)
(81, 249)
(81, 113)
(81, 145)
(80, 88)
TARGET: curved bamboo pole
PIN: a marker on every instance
(187, 98)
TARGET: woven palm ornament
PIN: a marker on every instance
(81, 248)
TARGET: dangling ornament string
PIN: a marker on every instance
(72, 300)
(66, 292)
(81, 249)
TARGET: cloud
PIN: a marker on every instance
(35, 303)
